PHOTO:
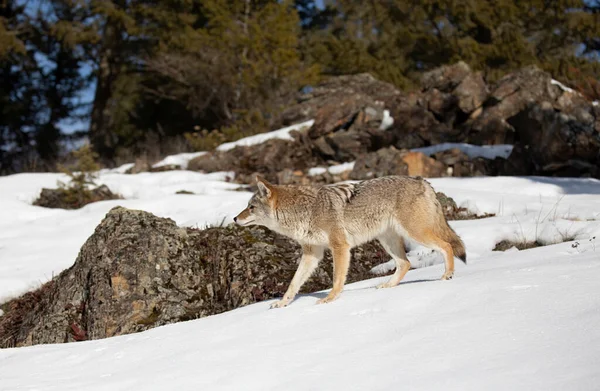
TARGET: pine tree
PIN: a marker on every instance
(240, 62)
(398, 39)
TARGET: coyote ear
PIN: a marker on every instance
(265, 189)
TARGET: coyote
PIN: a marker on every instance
(342, 216)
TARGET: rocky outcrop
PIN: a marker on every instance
(557, 127)
(268, 159)
(138, 271)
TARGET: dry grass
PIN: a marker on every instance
(15, 312)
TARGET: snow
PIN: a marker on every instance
(562, 86)
(473, 151)
(596, 103)
(515, 319)
(282, 134)
(387, 120)
(317, 171)
(333, 170)
(524, 320)
(181, 160)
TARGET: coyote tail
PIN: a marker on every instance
(457, 244)
(446, 232)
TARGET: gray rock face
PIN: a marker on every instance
(138, 271)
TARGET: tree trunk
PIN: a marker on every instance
(102, 137)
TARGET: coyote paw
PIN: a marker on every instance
(448, 276)
(327, 299)
(387, 284)
(279, 304)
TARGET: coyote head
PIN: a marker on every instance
(260, 209)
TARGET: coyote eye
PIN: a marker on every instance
(251, 208)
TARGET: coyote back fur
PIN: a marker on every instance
(341, 216)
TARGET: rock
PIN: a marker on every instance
(453, 212)
(213, 162)
(460, 165)
(511, 95)
(322, 147)
(140, 165)
(336, 101)
(471, 92)
(565, 146)
(416, 126)
(348, 145)
(442, 105)
(166, 167)
(267, 158)
(138, 271)
(74, 196)
(292, 177)
(454, 105)
(422, 165)
(386, 161)
(337, 115)
(447, 77)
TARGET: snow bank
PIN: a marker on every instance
(522, 320)
(473, 151)
(282, 134)
(333, 170)
(562, 86)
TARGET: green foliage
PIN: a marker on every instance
(398, 39)
(243, 59)
(84, 171)
(251, 123)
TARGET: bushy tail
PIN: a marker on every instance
(457, 244)
(447, 233)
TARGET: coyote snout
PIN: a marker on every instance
(343, 216)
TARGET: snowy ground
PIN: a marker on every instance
(522, 321)
(519, 319)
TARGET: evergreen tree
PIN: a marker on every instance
(398, 39)
(242, 61)
(19, 100)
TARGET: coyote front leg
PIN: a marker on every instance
(311, 255)
(340, 250)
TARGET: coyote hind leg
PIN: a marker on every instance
(394, 245)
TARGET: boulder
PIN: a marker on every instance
(471, 92)
(419, 164)
(386, 161)
(73, 196)
(446, 77)
(558, 143)
(511, 95)
(335, 102)
(138, 271)
(267, 158)
(460, 165)
(416, 124)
